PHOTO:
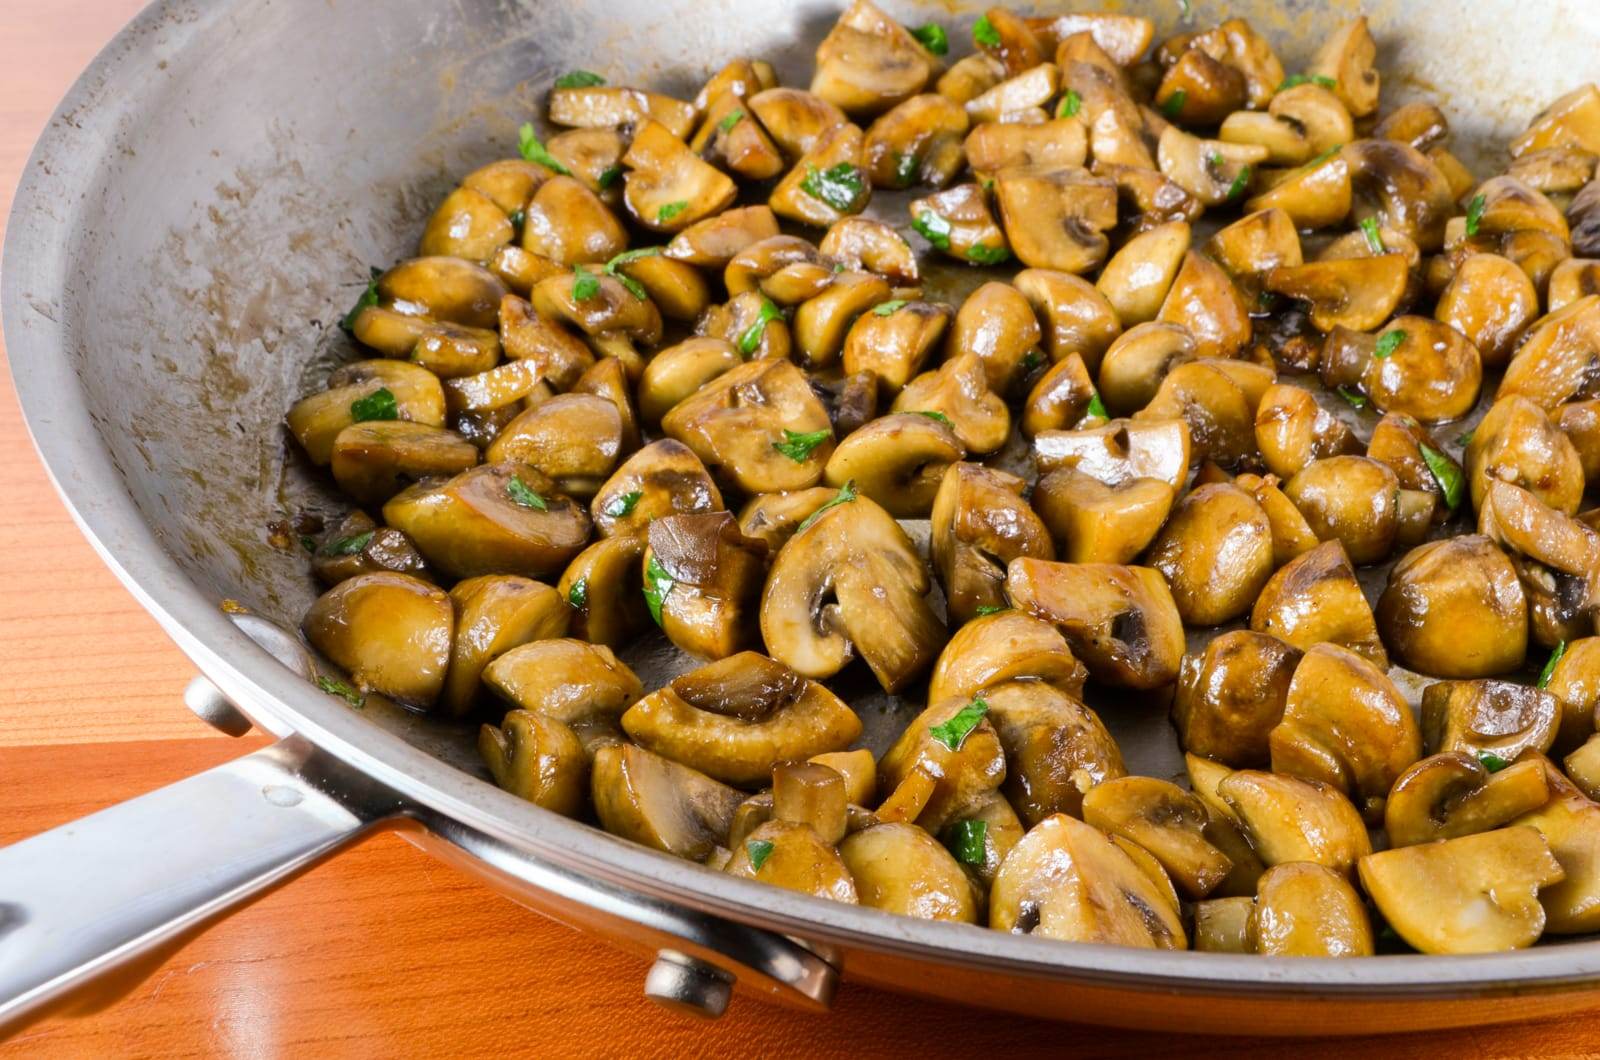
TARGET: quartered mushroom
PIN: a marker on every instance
(979, 523)
(1092, 522)
(1068, 880)
(1358, 293)
(1231, 696)
(364, 391)
(957, 394)
(1292, 431)
(1136, 363)
(604, 588)
(1318, 194)
(1137, 278)
(1062, 397)
(952, 744)
(715, 241)
(1001, 647)
(594, 158)
(539, 759)
(1575, 682)
(1291, 534)
(1454, 608)
(969, 77)
(568, 224)
(1217, 400)
(1293, 819)
(1453, 794)
(1307, 910)
(793, 856)
(574, 439)
(356, 545)
(495, 613)
(1025, 91)
(1570, 823)
(778, 266)
(1401, 187)
(584, 686)
(752, 323)
(442, 288)
(607, 107)
(1165, 820)
(1213, 171)
(902, 869)
(663, 478)
(1121, 621)
(1555, 362)
(794, 118)
(466, 224)
(676, 372)
(1056, 218)
(850, 582)
(996, 324)
(738, 718)
(1430, 371)
(894, 340)
(1486, 716)
(1076, 317)
(1345, 724)
(759, 425)
(372, 461)
(1492, 302)
(502, 518)
(1216, 553)
(1571, 280)
(863, 243)
(558, 357)
(1120, 450)
(1347, 59)
(957, 221)
(868, 62)
(1205, 300)
(1475, 894)
(659, 803)
(1315, 599)
(994, 146)
(821, 322)
(918, 141)
(702, 581)
(390, 632)
(828, 183)
(897, 460)
(1352, 500)
(1516, 442)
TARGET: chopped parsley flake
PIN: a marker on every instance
(608, 176)
(623, 505)
(1097, 407)
(1550, 664)
(1071, 104)
(669, 211)
(1354, 398)
(578, 595)
(1308, 79)
(584, 285)
(1491, 761)
(520, 493)
(984, 35)
(657, 584)
(349, 546)
(797, 446)
(729, 120)
(1388, 342)
(1447, 474)
(579, 79)
(840, 186)
(933, 37)
(750, 340)
(378, 405)
(1369, 228)
(759, 850)
(1172, 106)
(887, 308)
(990, 609)
(846, 494)
(934, 414)
(965, 840)
(953, 733)
(342, 690)
(932, 227)
(1475, 214)
(529, 147)
(983, 254)
(369, 297)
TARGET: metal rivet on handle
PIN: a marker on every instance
(687, 985)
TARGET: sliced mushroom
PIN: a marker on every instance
(794, 118)
(604, 107)
(1570, 823)
(827, 183)
(1431, 373)
(863, 243)
(603, 587)
(371, 390)
(703, 582)
(969, 78)
(736, 719)
(538, 759)
(678, 371)
(902, 869)
(1508, 205)
(1208, 396)
(979, 523)
(919, 141)
(760, 425)
(1293, 819)
(1121, 621)
(1222, 925)
(1061, 399)
(1092, 522)
(1575, 682)
(1556, 361)
(994, 146)
(850, 581)
(1348, 58)
(558, 356)
(1205, 300)
(1216, 554)
(1571, 121)
(508, 183)
(654, 801)
(754, 325)
(584, 686)
(1213, 171)
(373, 461)
(1475, 894)
(738, 140)
(1165, 820)
(957, 394)
(1516, 442)
(1230, 697)
(1346, 725)
(897, 460)
(466, 224)
(609, 309)
(1006, 646)
(1454, 608)
(893, 345)
(957, 222)
(1291, 534)
(1135, 365)
(1573, 279)
(1077, 317)
(1492, 302)
(663, 478)
(1357, 293)
(775, 517)
(715, 241)
(868, 62)
(1315, 599)
(496, 518)
(1124, 38)
(1067, 880)
(1022, 91)
(1453, 794)
(495, 613)
(1316, 195)
(1499, 718)
(390, 632)
(1055, 218)
(1307, 910)
(1119, 451)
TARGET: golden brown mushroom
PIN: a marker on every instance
(495, 613)
(1205, 300)
(574, 439)
(1314, 599)
(1570, 823)
(1216, 554)
(1055, 218)
(1292, 431)
(1350, 499)
(1008, 645)
(1499, 718)
(827, 183)
(652, 800)
(373, 461)
(957, 222)
(663, 478)
(604, 588)
(390, 632)
(1120, 450)
(1492, 302)
(364, 391)
(1137, 278)
(1358, 293)
(702, 581)
(1516, 442)
(1553, 364)
(759, 425)
(868, 62)
(1293, 819)
(1075, 316)
(902, 869)
(584, 686)
(1231, 696)
(1165, 820)
(897, 460)
(1062, 399)
(538, 759)
(1347, 58)
(952, 743)
(605, 107)
(1092, 522)
(1307, 910)
(894, 340)
(997, 325)
(957, 395)
(1452, 794)
(1454, 608)
(918, 141)
(1138, 361)
(979, 524)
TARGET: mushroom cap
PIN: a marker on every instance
(391, 632)
(659, 803)
(902, 869)
(1454, 608)
(1315, 598)
(1231, 695)
(537, 758)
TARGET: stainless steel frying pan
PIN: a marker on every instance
(189, 228)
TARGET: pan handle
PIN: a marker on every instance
(90, 908)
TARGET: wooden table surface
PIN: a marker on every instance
(381, 952)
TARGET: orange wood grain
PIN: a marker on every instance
(381, 952)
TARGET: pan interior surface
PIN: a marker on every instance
(207, 204)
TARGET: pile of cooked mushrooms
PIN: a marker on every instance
(661, 372)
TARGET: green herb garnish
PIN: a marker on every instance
(1071, 104)
(953, 733)
(984, 35)
(1475, 214)
(519, 492)
(1097, 407)
(584, 285)
(628, 257)
(1185, 12)
(1491, 761)
(1355, 399)
(1466, 439)
(797, 446)
(378, 405)
(840, 186)
(934, 414)
(933, 228)
(529, 147)
(349, 546)
(1369, 228)
(1329, 153)
(578, 595)
(933, 37)
(965, 840)
(1030, 360)
(608, 176)
(990, 609)
(657, 584)
(732, 118)
(983, 254)
(1240, 182)
(759, 850)
(905, 169)
(369, 297)
(623, 505)
(846, 494)
(1308, 79)
(579, 79)
(308, 543)
(1446, 474)
(1172, 106)
(884, 309)
(1550, 665)
(669, 211)
(518, 218)
(342, 690)
(750, 340)
(1388, 342)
